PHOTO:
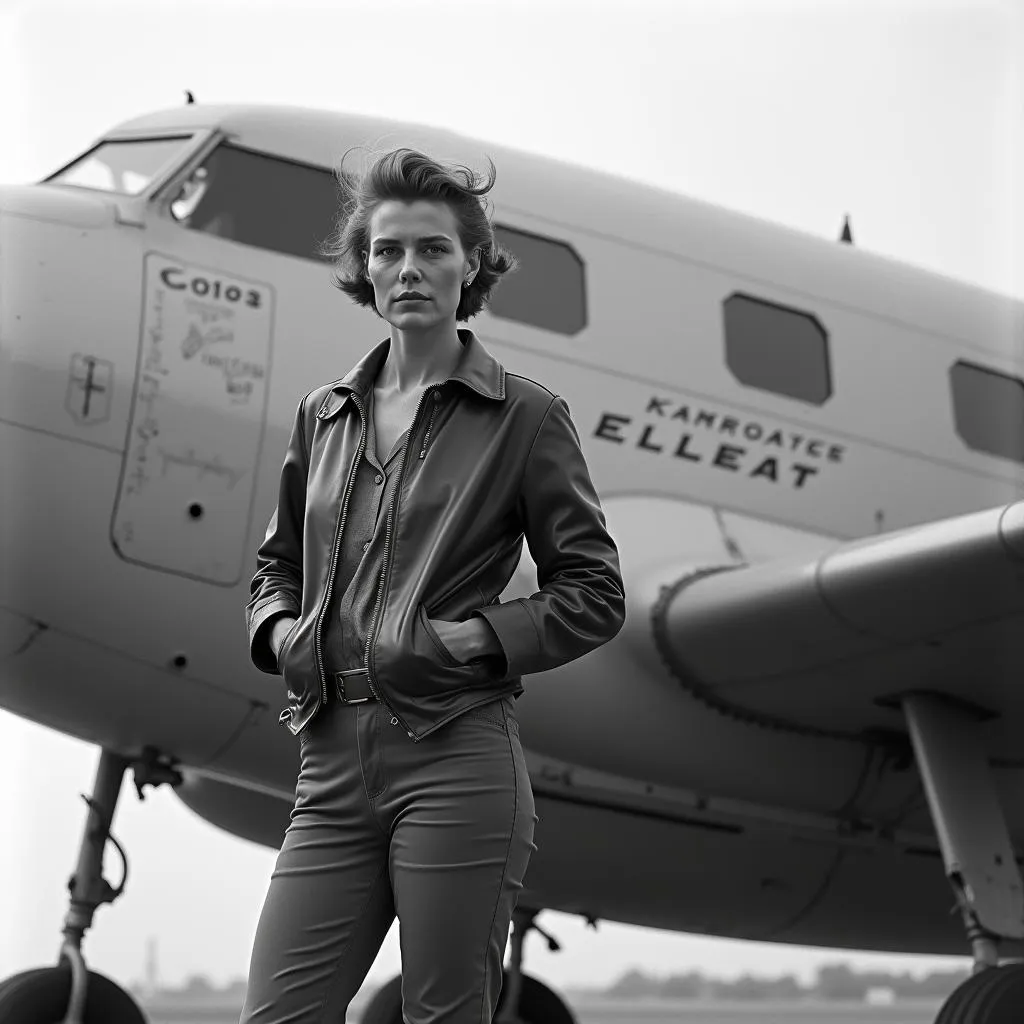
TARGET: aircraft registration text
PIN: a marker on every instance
(772, 454)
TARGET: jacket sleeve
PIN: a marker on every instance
(277, 586)
(581, 602)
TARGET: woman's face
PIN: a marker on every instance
(415, 247)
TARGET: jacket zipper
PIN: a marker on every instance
(426, 436)
(330, 575)
(371, 636)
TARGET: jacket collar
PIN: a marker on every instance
(476, 368)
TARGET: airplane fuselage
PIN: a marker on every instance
(742, 393)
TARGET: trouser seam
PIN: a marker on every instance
(504, 870)
(361, 917)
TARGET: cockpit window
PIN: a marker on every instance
(259, 200)
(126, 166)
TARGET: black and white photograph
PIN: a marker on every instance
(512, 511)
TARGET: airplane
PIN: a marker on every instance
(811, 458)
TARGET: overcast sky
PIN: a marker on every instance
(906, 115)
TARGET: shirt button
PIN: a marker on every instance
(377, 479)
(437, 396)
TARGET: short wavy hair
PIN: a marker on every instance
(408, 174)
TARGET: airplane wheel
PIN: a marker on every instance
(41, 996)
(994, 996)
(15, 977)
(952, 1009)
(537, 1004)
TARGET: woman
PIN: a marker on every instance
(406, 492)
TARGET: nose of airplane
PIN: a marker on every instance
(70, 299)
(65, 278)
(55, 203)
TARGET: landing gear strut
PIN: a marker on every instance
(948, 740)
(523, 999)
(70, 993)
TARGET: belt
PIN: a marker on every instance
(352, 686)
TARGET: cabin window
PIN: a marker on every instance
(259, 200)
(777, 348)
(549, 288)
(988, 410)
(125, 167)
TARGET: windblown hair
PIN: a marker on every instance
(408, 174)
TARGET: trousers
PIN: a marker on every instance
(438, 832)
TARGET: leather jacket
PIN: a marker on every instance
(492, 457)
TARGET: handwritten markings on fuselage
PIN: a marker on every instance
(213, 310)
(191, 460)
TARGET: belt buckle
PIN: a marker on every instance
(339, 681)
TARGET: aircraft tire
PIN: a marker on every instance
(15, 977)
(994, 996)
(538, 1004)
(40, 996)
(952, 1009)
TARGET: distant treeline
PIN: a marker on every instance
(197, 988)
(834, 981)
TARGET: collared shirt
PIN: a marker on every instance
(361, 556)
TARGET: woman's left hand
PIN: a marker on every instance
(459, 637)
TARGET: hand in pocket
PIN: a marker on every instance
(455, 638)
(279, 634)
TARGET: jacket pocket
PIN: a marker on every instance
(456, 602)
(442, 652)
(296, 662)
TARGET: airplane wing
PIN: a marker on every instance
(828, 645)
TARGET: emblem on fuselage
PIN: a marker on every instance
(90, 383)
